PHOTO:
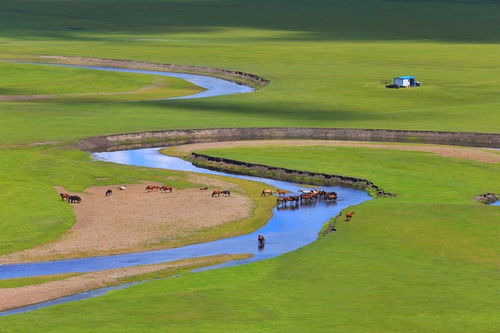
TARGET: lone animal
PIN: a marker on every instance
(226, 193)
(261, 241)
(122, 188)
(348, 216)
(266, 193)
(74, 199)
(216, 193)
(64, 196)
(109, 192)
(203, 188)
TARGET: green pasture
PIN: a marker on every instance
(426, 260)
(65, 84)
(327, 62)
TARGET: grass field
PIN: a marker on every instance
(428, 265)
(326, 61)
(424, 261)
(65, 84)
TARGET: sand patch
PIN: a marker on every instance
(476, 154)
(133, 220)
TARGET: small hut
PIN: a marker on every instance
(406, 81)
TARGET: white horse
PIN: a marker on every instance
(122, 188)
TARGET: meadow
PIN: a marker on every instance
(424, 261)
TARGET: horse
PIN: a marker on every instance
(203, 188)
(149, 188)
(226, 193)
(293, 199)
(109, 192)
(167, 189)
(64, 196)
(306, 197)
(348, 216)
(122, 188)
(281, 192)
(266, 193)
(280, 201)
(74, 199)
(261, 241)
(216, 193)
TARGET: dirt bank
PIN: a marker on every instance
(133, 220)
(476, 154)
(235, 76)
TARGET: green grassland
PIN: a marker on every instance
(423, 261)
(326, 60)
(67, 84)
(426, 260)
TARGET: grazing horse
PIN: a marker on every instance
(149, 188)
(122, 188)
(109, 192)
(216, 193)
(261, 241)
(167, 189)
(64, 196)
(281, 192)
(266, 193)
(348, 216)
(74, 199)
(226, 193)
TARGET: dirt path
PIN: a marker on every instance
(476, 154)
(133, 220)
(11, 298)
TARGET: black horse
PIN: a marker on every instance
(74, 199)
(109, 192)
(261, 241)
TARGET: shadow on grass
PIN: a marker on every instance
(443, 20)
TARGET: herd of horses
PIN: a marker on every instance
(221, 193)
(305, 196)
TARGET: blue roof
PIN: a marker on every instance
(405, 77)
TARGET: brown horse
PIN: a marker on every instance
(216, 193)
(167, 189)
(150, 188)
(280, 201)
(266, 193)
(281, 192)
(348, 216)
(64, 196)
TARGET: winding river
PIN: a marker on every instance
(287, 230)
(213, 86)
